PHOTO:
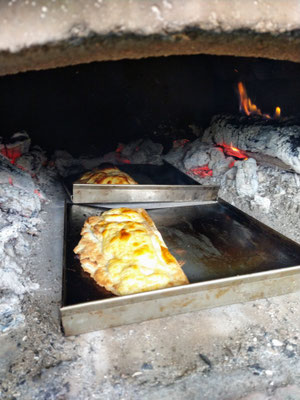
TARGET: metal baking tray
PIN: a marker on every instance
(229, 258)
(157, 183)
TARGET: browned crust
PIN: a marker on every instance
(107, 176)
(124, 252)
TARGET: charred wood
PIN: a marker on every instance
(280, 139)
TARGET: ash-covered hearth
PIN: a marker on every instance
(148, 112)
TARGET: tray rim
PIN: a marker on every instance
(91, 193)
(180, 290)
(143, 186)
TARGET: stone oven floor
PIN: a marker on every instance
(244, 351)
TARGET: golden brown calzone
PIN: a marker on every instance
(124, 252)
(109, 175)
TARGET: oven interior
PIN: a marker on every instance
(90, 108)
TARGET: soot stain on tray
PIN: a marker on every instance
(215, 241)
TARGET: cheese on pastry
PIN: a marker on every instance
(124, 252)
(109, 175)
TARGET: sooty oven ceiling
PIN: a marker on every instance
(41, 35)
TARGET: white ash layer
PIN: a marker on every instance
(265, 192)
(9, 173)
(246, 178)
(20, 205)
(192, 155)
(280, 139)
(33, 160)
(142, 151)
(19, 201)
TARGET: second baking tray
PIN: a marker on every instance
(157, 183)
(228, 257)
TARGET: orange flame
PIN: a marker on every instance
(230, 150)
(277, 112)
(251, 109)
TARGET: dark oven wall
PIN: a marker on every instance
(94, 106)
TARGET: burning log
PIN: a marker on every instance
(19, 143)
(18, 190)
(275, 138)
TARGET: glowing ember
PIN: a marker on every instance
(251, 109)
(38, 193)
(125, 160)
(119, 148)
(230, 150)
(10, 181)
(180, 143)
(202, 171)
(11, 153)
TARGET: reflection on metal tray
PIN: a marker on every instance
(228, 257)
(157, 183)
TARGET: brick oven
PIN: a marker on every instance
(210, 89)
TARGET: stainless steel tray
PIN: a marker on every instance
(157, 183)
(229, 258)
(91, 193)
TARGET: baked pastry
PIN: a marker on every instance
(109, 175)
(124, 252)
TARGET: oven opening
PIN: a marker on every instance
(224, 121)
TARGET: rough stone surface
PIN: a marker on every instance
(46, 34)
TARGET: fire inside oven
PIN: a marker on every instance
(188, 127)
(144, 111)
